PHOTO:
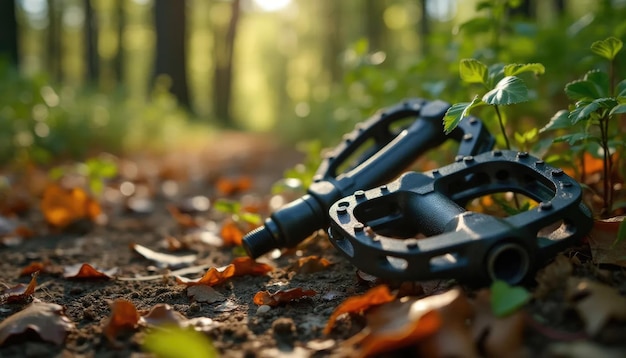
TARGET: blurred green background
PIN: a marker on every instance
(82, 76)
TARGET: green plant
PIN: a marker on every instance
(172, 341)
(95, 171)
(591, 120)
(503, 87)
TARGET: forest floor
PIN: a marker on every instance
(549, 325)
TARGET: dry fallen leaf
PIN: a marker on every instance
(497, 336)
(163, 314)
(34, 267)
(596, 303)
(554, 276)
(184, 220)
(602, 242)
(21, 292)
(357, 304)
(124, 316)
(248, 266)
(62, 207)
(401, 323)
(45, 319)
(86, 271)
(231, 186)
(281, 296)
(163, 260)
(231, 234)
(239, 267)
(311, 264)
(204, 293)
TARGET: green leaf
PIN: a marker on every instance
(509, 90)
(227, 206)
(251, 218)
(581, 90)
(619, 109)
(495, 73)
(457, 112)
(473, 71)
(476, 25)
(516, 69)
(607, 48)
(600, 79)
(559, 120)
(621, 89)
(506, 299)
(585, 109)
(621, 233)
(172, 342)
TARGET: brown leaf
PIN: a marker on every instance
(401, 323)
(596, 303)
(21, 292)
(231, 234)
(553, 276)
(62, 207)
(184, 220)
(213, 276)
(204, 293)
(601, 241)
(231, 186)
(34, 267)
(498, 336)
(281, 296)
(124, 316)
(247, 266)
(163, 314)
(163, 260)
(45, 319)
(311, 264)
(357, 304)
(86, 271)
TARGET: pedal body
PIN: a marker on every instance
(379, 229)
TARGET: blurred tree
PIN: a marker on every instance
(224, 39)
(91, 36)
(54, 40)
(8, 31)
(171, 56)
(374, 24)
(424, 29)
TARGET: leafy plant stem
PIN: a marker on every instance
(606, 167)
(501, 122)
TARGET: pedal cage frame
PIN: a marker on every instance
(376, 229)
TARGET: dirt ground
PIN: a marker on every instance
(238, 328)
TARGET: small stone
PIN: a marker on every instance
(263, 309)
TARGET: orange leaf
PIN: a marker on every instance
(32, 268)
(231, 234)
(357, 304)
(184, 220)
(21, 292)
(62, 207)
(247, 266)
(230, 186)
(311, 264)
(86, 271)
(124, 316)
(282, 296)
(213, 276)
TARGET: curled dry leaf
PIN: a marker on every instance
(45, 319)
(401, 323)
(596, 303)
(281, 296)
(34, 267)
(240, 266)
(311, 264)
(124, 316)
(357, 304)
(497, 336)
(86, 271)
(21, 292)
(204, 293)
(163, 314)
(163, 260)
(231, 234)
(62, 207)
(554, 276)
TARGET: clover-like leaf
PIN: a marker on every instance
(600, 79)
(559, 120)
(509, 90)
(517, 68)
(473, 71)
(507, 299)
(607, 48)
(581, 90)
(457, 112)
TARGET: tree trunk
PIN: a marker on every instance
(223, 76)
(375, 27)
(424, 30)
(170, 47)
(54, 41)
(91, 36)
(8, 32)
